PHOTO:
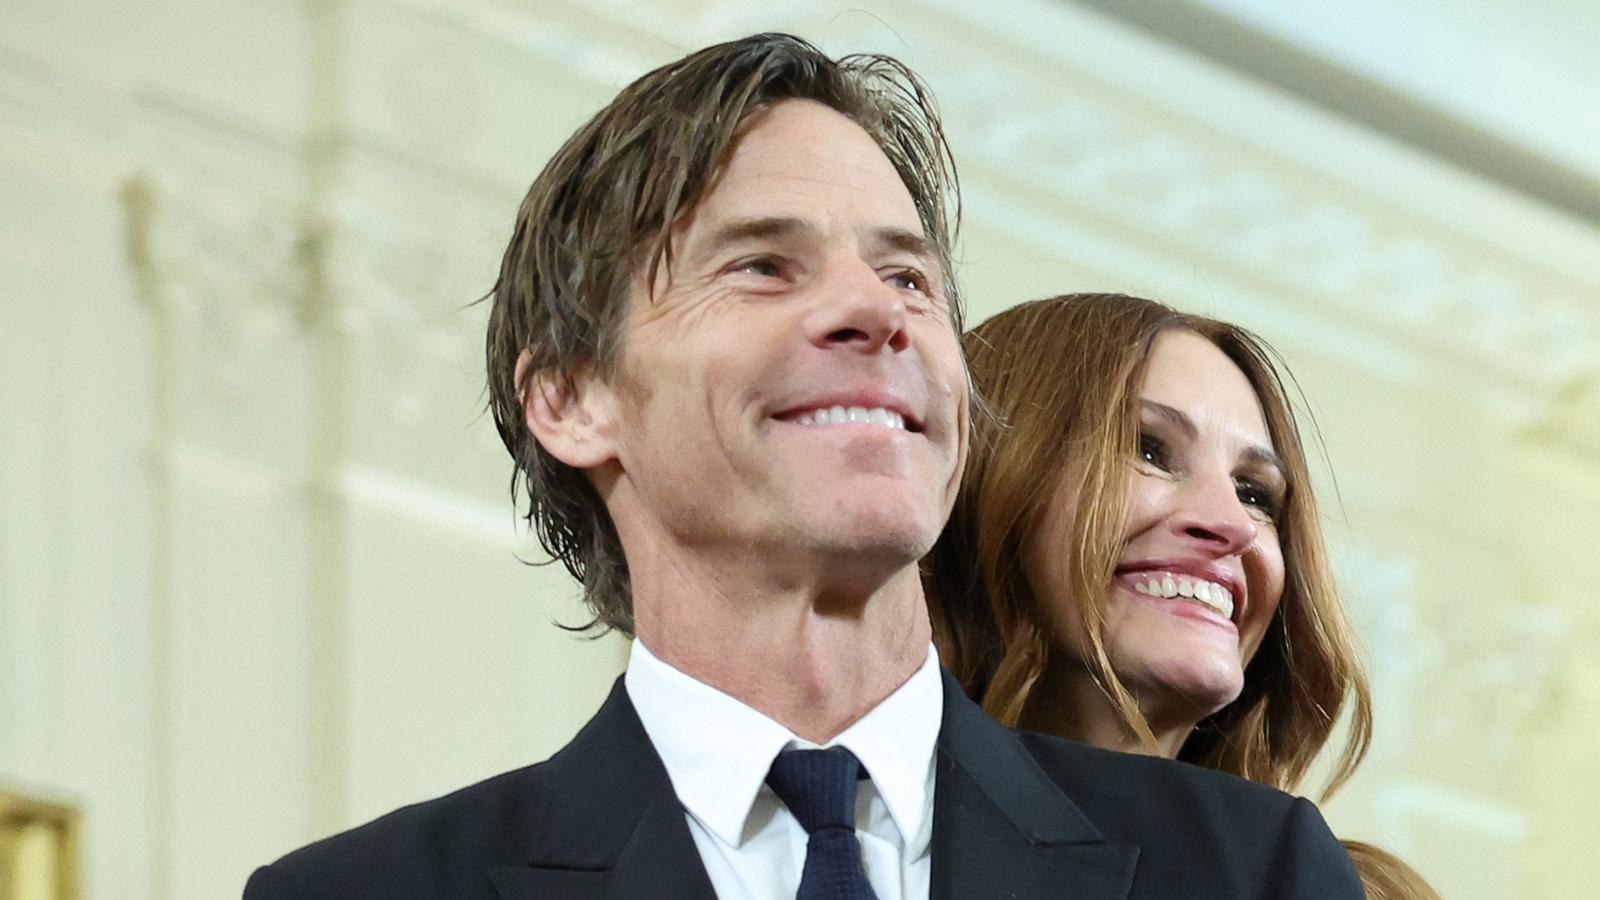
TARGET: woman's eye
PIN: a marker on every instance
(1257, 497)
(1153, 451)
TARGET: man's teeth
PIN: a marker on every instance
(1167, 584)
(853, 415)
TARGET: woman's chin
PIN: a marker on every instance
(1184, 690)
(1177, 667)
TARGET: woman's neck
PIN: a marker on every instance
(1071, 705)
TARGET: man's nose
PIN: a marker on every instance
(860, 311)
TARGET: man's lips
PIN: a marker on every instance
(853, 408)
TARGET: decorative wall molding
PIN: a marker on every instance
(229, 269)
(494, 524)
(406, 295)
(1327, 238)
(1422, 661)
(1046, 136)
(42, 97)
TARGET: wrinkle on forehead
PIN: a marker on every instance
(785, 158)
(780, 158)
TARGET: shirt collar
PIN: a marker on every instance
(717, 750)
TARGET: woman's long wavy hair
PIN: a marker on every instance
(1063, 377)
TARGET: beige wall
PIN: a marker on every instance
(258, 577)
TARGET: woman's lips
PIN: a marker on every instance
(1184, 587)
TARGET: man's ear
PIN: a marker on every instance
(569, 417)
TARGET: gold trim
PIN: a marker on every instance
(38, 835)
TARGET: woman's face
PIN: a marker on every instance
(1201, 570)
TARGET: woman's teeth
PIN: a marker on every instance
(1167, 584)
(853, 415)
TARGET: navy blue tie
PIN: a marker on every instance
(819, 787)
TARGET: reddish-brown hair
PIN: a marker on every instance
(1074, 422)
(1062, 377)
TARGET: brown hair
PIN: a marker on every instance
(1072, 423)
(600, 217)
(1075, 423)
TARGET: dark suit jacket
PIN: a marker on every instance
(1015, 815)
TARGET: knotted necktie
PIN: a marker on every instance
(819, 787)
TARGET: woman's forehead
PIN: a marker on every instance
(1191, 375)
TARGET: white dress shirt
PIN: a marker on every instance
(717, 751)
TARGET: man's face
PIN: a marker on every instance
(792, 393)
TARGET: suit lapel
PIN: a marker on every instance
(1000, 824)
(608, 823)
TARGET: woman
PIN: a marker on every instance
(1135, 559)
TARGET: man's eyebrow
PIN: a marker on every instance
(755, 228)
(1254, 454)
(905, 240)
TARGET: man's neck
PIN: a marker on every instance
(814, 662)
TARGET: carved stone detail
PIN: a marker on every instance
(1041, 129)
(226, 266)
(407, 295)
(1352, 259)
(1506, 656)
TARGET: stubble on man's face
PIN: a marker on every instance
(795, 393)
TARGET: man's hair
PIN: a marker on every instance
(599, 219)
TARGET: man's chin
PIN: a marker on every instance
(857, 575)
(905, 530)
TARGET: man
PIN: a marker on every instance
(723, 352)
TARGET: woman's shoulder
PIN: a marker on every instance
(1242, 832)
(1125, 787)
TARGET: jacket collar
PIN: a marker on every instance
(997, 815)
(717, 749)
(610, 825)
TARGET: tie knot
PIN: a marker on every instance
(818, 786)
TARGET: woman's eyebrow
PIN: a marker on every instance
(1254, 454)
(1257, 455)
(1177, 417)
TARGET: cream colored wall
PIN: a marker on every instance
(258, 577)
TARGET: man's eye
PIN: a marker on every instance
(1153, 451)
(764, 266)
(910, 280)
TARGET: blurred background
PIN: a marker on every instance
(259, 576)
